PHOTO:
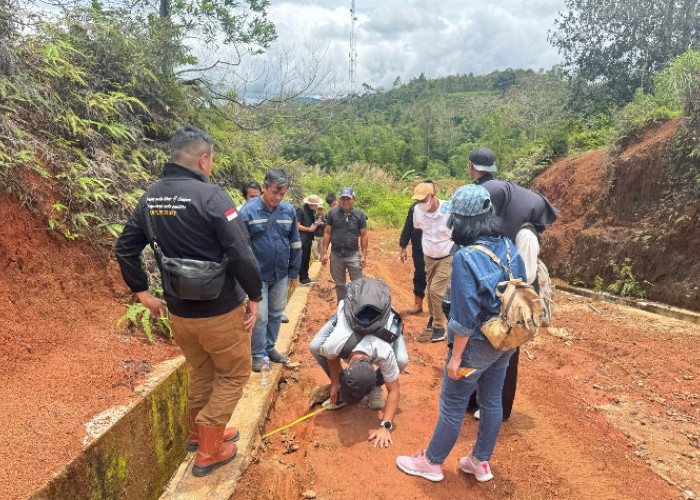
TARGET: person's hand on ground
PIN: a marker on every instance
(381, 437)
(335, 388)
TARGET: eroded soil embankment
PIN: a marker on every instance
(640, 207)
(62, 358)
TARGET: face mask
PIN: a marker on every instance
(424, 207)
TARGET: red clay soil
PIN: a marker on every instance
(608, 400)
(63, 360)
(642, 204)
(607, 407)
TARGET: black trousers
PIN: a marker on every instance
(305, 259)
(509, 385)
(419, 282)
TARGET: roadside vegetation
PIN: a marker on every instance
(90, 95)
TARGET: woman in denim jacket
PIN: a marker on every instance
(473, 300)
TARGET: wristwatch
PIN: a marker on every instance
(387, 425)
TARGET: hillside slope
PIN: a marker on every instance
(641, 205)
(62, 358)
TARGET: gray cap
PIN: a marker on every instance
(357, 381)
(347, 191)
(483, 159)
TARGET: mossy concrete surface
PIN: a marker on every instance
(134, 457)
(249, 417)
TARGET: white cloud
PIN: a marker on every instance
(408, 37)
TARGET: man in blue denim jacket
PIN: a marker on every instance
(473, 301)
(272, 226)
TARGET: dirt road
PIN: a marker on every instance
(607, 406)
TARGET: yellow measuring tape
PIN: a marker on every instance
(308, 415)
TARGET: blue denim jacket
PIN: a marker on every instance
(474, 279)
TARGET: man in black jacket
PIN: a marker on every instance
(191, 218)
(410, 234)
(525, 214)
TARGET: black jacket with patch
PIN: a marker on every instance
(195, 219)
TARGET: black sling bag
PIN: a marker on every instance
(188, 279)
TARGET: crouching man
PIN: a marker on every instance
(366, 331)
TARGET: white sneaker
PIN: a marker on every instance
(375, 399)
(337, 406)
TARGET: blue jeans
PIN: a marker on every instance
(398, 346)
(267, 322)
(488, 379)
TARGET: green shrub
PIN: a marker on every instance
(598, 283)
(673, 85)
(643, 110)
(672, 88)
(139, 317)
(625, 284)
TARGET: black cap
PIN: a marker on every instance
(483, 159)
(358, 380)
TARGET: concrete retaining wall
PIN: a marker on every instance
(135, 457)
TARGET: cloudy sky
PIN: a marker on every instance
(405, 38)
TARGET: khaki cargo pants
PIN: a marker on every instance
(437, 276)
(218, 352)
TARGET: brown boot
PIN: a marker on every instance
(230, 434)
(417, 306)
(213, 452)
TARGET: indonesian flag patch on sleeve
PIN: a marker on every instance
(231, 214)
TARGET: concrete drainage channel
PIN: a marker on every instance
(645, 305)
(138, 451)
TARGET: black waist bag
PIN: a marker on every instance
(187, 279)
(190, 279)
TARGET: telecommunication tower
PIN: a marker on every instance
(353, 49)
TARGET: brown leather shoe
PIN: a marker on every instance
(213, 452)
(230, 434)
(417, 307)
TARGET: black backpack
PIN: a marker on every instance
(368, 311)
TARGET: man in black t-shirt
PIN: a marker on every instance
(345, 225)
